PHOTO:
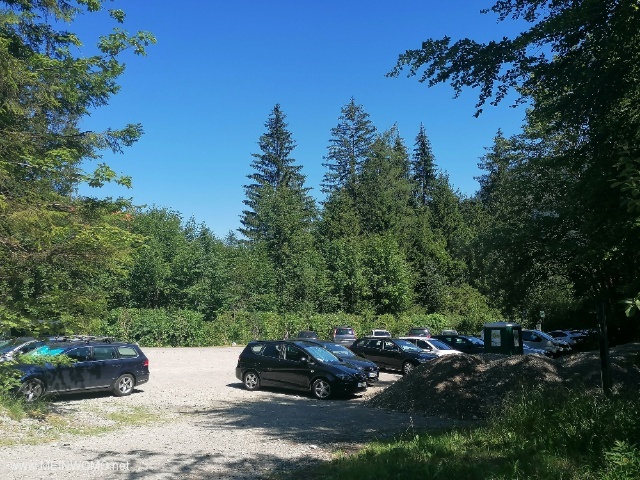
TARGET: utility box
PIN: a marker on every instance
(503, 337)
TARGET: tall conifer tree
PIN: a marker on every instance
(423, 168)
(348, 147)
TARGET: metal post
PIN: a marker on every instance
(605, 370)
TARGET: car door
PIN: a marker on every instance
(293, 372)
(106, 366)
(374, 352)
(268, 364)
(392, 355)
(76, 376)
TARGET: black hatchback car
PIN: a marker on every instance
(462, 343)
(370, 369)
(97, 365)
(391, 353)
(297, 365)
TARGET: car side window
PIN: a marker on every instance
(390, 346)
(292, 353)
(80, 354)
(424, 345)
(375, 344)
(271, 350)
(104, 353)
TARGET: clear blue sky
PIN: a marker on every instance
(206, 88)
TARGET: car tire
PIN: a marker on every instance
(32, 389)
(321, 389)
(407, 368)
(251, 381)
(124, 385)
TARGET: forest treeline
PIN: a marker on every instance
(553, 227)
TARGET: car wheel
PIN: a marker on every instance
(321, 389)
(124, 385)
(251, 381)
(32, 389)
(407, 368)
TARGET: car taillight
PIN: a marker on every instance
(145, 363)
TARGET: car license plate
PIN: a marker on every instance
(372, 375)
(362, 384)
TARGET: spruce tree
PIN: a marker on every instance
(423, 168)
(274, 169)
(348, 147)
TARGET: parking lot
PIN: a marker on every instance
(207, 425)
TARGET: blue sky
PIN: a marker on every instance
(205, 90)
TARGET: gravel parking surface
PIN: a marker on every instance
(210, 427)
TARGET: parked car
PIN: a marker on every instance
(419, 332)
(307, 334)
(378, 332)
(431, 345)
(297, 365)
(97, 365)
(526, 350)
(344, 335)
(563, 335)
(462, 343)
(370, 369)
(541, 341)
(391, 353)
(10, 348)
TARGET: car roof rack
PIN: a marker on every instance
(82, 338)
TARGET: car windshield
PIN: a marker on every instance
(322, 355)
(440, 345)
(407, 346)
(47, 351)
(544, 335)
(339, 350)
(6, 345)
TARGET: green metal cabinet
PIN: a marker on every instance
(503, 337)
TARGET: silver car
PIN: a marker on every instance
(344, 336)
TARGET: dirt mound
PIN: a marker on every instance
(467, 387)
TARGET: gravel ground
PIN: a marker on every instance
(209, 427)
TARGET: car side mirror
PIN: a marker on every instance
(304, 360)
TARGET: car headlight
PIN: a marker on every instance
(343, 376)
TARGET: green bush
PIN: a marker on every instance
(157, 327)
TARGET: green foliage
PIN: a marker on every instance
(550, 434)
(60, 255)
(622, 462)
(633, 306)
(9, 378)
(158, 327)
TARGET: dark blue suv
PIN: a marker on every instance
(96, 365)
(297, 365)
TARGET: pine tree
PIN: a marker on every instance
(348, 147)
(384, 189)
(423, 168)
(274, 169)
(281, 219)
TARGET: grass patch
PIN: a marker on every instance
(543, 434)
(36, 423)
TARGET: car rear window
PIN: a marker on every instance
(127, 352)
(344, 331)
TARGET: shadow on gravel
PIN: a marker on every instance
(152, 464)
(300, 418)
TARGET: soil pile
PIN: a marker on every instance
(467, 387)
